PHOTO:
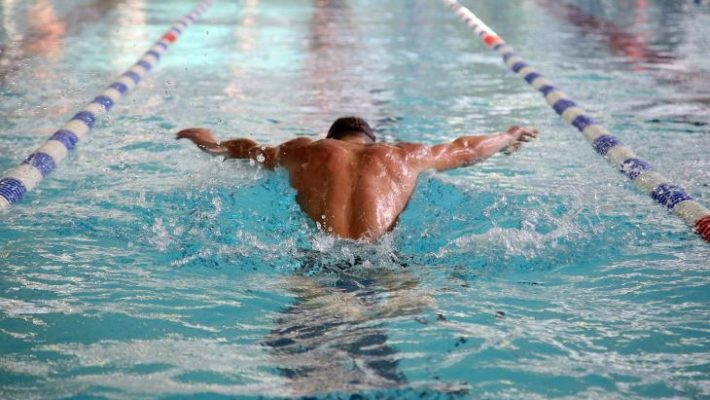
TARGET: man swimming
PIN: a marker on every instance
(351, 186)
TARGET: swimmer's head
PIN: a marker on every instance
(347, 126)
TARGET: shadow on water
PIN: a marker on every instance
(334, 337)
(340, 330)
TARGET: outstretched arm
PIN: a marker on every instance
(268, 156)
(469, 150)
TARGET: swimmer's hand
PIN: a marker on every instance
(233, 148)
(203, 138)
(519, 135)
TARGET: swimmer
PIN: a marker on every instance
(350, 185)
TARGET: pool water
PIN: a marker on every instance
(141, 268)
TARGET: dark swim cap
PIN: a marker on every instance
(346, 125)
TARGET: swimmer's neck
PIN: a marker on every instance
(356, 138)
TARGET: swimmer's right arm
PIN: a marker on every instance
(242, 148)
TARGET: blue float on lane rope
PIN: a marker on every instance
(23, 178)
(620, 156)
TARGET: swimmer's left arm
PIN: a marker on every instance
(469, 150)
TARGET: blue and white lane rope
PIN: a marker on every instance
(663, 191)
(23, 178)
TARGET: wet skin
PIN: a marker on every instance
(352, 187)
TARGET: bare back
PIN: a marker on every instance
(354, 190)
(352, 187)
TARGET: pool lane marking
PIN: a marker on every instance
(25, 177)
(660, 188)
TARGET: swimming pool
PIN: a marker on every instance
(141, 268)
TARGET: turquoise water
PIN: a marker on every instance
(143, 269)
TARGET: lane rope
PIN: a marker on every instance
(620, 156)
(25, 177)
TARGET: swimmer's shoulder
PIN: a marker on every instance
(297, 142)
(293, 150)
(412, 146)
(294, 145)
(414, 150)
(328, 150)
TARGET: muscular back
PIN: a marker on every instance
(353, 190)
(352, 187)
